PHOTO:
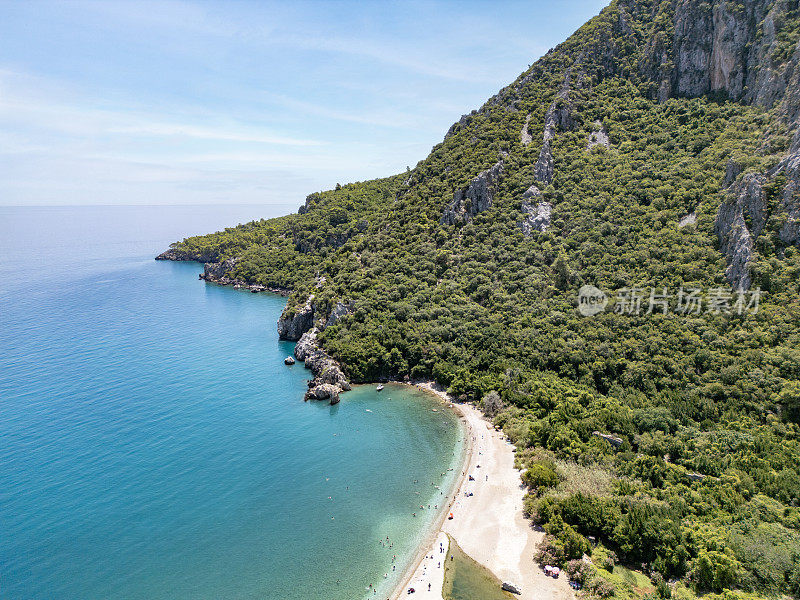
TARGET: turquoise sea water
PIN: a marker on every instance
(153, 444)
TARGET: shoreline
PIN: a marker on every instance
(436, 528)
(494, 532)
(489, 525)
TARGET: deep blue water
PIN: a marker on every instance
(153, 444)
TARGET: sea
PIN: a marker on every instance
(154, 445)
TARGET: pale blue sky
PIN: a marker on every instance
(245, 102)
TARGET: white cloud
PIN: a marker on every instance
(22, 107)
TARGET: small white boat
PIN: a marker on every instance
(379, 388)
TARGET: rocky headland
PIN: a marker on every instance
(303, 323)
(220, 272)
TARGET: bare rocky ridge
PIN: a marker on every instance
(538, 217)
(476, 198)
(558, 116)
(745, 199)
(525, 137)
(789, 205)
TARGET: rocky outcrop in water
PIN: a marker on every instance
(329, 379)
(306, 344)
(325, 391)
(326, 370)
(295, 321)
(477, 197)
(219, 272)
(182, 255)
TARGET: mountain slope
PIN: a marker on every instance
(657, 147)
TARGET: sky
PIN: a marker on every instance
(246, 102)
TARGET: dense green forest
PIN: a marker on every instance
(697, 480)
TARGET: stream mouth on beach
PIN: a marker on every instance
(466, 579)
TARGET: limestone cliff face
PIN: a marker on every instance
(476, 198)
(307, 344)
(340, 310)
(537, 218)
(219, 271)
(743, 214)
(295, 321)
(558, 117)
(182, 255)
(299, 324)
(790, 201)
(745, 201)
(731, 47)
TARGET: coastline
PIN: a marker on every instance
(435, 531)
(489, 526)
(488, 523)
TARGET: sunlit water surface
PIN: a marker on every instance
(154, 445)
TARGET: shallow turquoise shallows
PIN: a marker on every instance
(154, 445)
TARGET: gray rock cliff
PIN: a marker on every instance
(745, 202)
(558, 117)
(537, 218)
(294, 321)
(789, 205)
(306, 344)
(476, 198)
(219, 271)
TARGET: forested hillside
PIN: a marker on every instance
(655, 155)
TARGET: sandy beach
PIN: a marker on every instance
(488, 525)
